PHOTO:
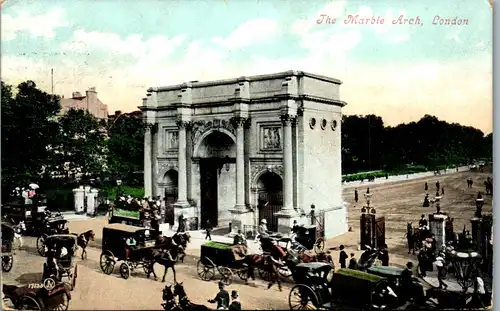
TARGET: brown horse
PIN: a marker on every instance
(320, 257)
(181, 239)
(169, 300)
(83, 241)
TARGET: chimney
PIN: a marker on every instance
(91, 97)
(76, 95)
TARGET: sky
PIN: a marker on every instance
(398, 71)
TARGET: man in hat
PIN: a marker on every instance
(222, 298)
(441, 272)
(342, 257)
(422, 223)
(353, 263)
(356, 195)
(235, 304)
(263, 228)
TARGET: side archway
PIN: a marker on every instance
(269, 188)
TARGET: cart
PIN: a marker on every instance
(26, 298)
(51, 226)
(347, 289)
(7, 241)
(220, 256)
(65, 266)
(114, 248)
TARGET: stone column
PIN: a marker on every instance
(287, 214)
(240, 163)
(91, 201)
(288, 120)
(148, 165)
(79, 194)
(437, 227)
(182, 164)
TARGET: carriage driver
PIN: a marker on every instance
(130, 243)
(263, 228)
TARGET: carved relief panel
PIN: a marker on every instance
(172, 140)
(270, 138)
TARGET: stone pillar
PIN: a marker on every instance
(79, 194)
(240, 163)
(91, 201)
(182, 164)
(477, 237)
(148, 165)
(437, 227)
(287, 214)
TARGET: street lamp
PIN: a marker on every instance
(368, 197)
(479, 206)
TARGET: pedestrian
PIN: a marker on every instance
(442, 190)
(407, 280)
(426, 186)
(222, 298)
(353, 263)
(356, 195)
(343, 257)
(441, 272)
(384, 256)
(208, 227)
(437, 185)
(182, 225)
(235, 304)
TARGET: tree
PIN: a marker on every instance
(81, 144)
(28, 127)
(125, 145)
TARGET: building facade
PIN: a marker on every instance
(89, 102)
(241, 150)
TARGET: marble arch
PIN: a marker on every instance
(275, 122)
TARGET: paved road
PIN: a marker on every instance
(95, 290)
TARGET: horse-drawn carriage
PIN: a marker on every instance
(40, 299)
(115, 247)
(51, 226)
(7, 241)
(61, 262)
(33, 215)
(309, 239)
(347, 289)
(221, 256)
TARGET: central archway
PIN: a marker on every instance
(216, 154)
(270, 198)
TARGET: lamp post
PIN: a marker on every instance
(479, 206)
(368, 197)
(313, 207)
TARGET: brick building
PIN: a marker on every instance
(88, 102)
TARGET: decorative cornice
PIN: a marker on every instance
(183, 124)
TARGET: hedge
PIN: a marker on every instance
(366, 176)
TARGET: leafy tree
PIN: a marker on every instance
(28, 127)
(125, 144)
(81, 144)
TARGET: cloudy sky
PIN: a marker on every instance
(399, 72)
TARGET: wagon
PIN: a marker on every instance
(26, 298)
(114, 248)
(60, 265)
(7, 241)
(347, 289)
(220, 256)
(307, 236)
(51, 226)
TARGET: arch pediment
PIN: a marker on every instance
(201, 128)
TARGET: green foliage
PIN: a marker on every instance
(125, 213)
(125, 146)
(217, 245)
(28, 128)
(81, 143)
(413, 169)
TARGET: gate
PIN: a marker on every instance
(269, 204)
(372, 231)
(170, 199)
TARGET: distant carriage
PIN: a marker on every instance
(308, 236)
(51, 226)
(220, 256)
(7, 241)
(114, 248)
(347, 289)
(61, 264)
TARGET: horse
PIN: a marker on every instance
(320, 257)
(488, 184)
(167, 258)
(181, 239)
(83, 241)
(169, 299)
(184, 301)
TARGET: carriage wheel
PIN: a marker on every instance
(63, 306)
(242, 273)
(7, 262)
(40, 244)
(73, 278)
(319, 245)
(226, 275)
(125, 270)
(302, 297)
(107, 262)
(205, 272)
(264, 273)
(29, 303)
